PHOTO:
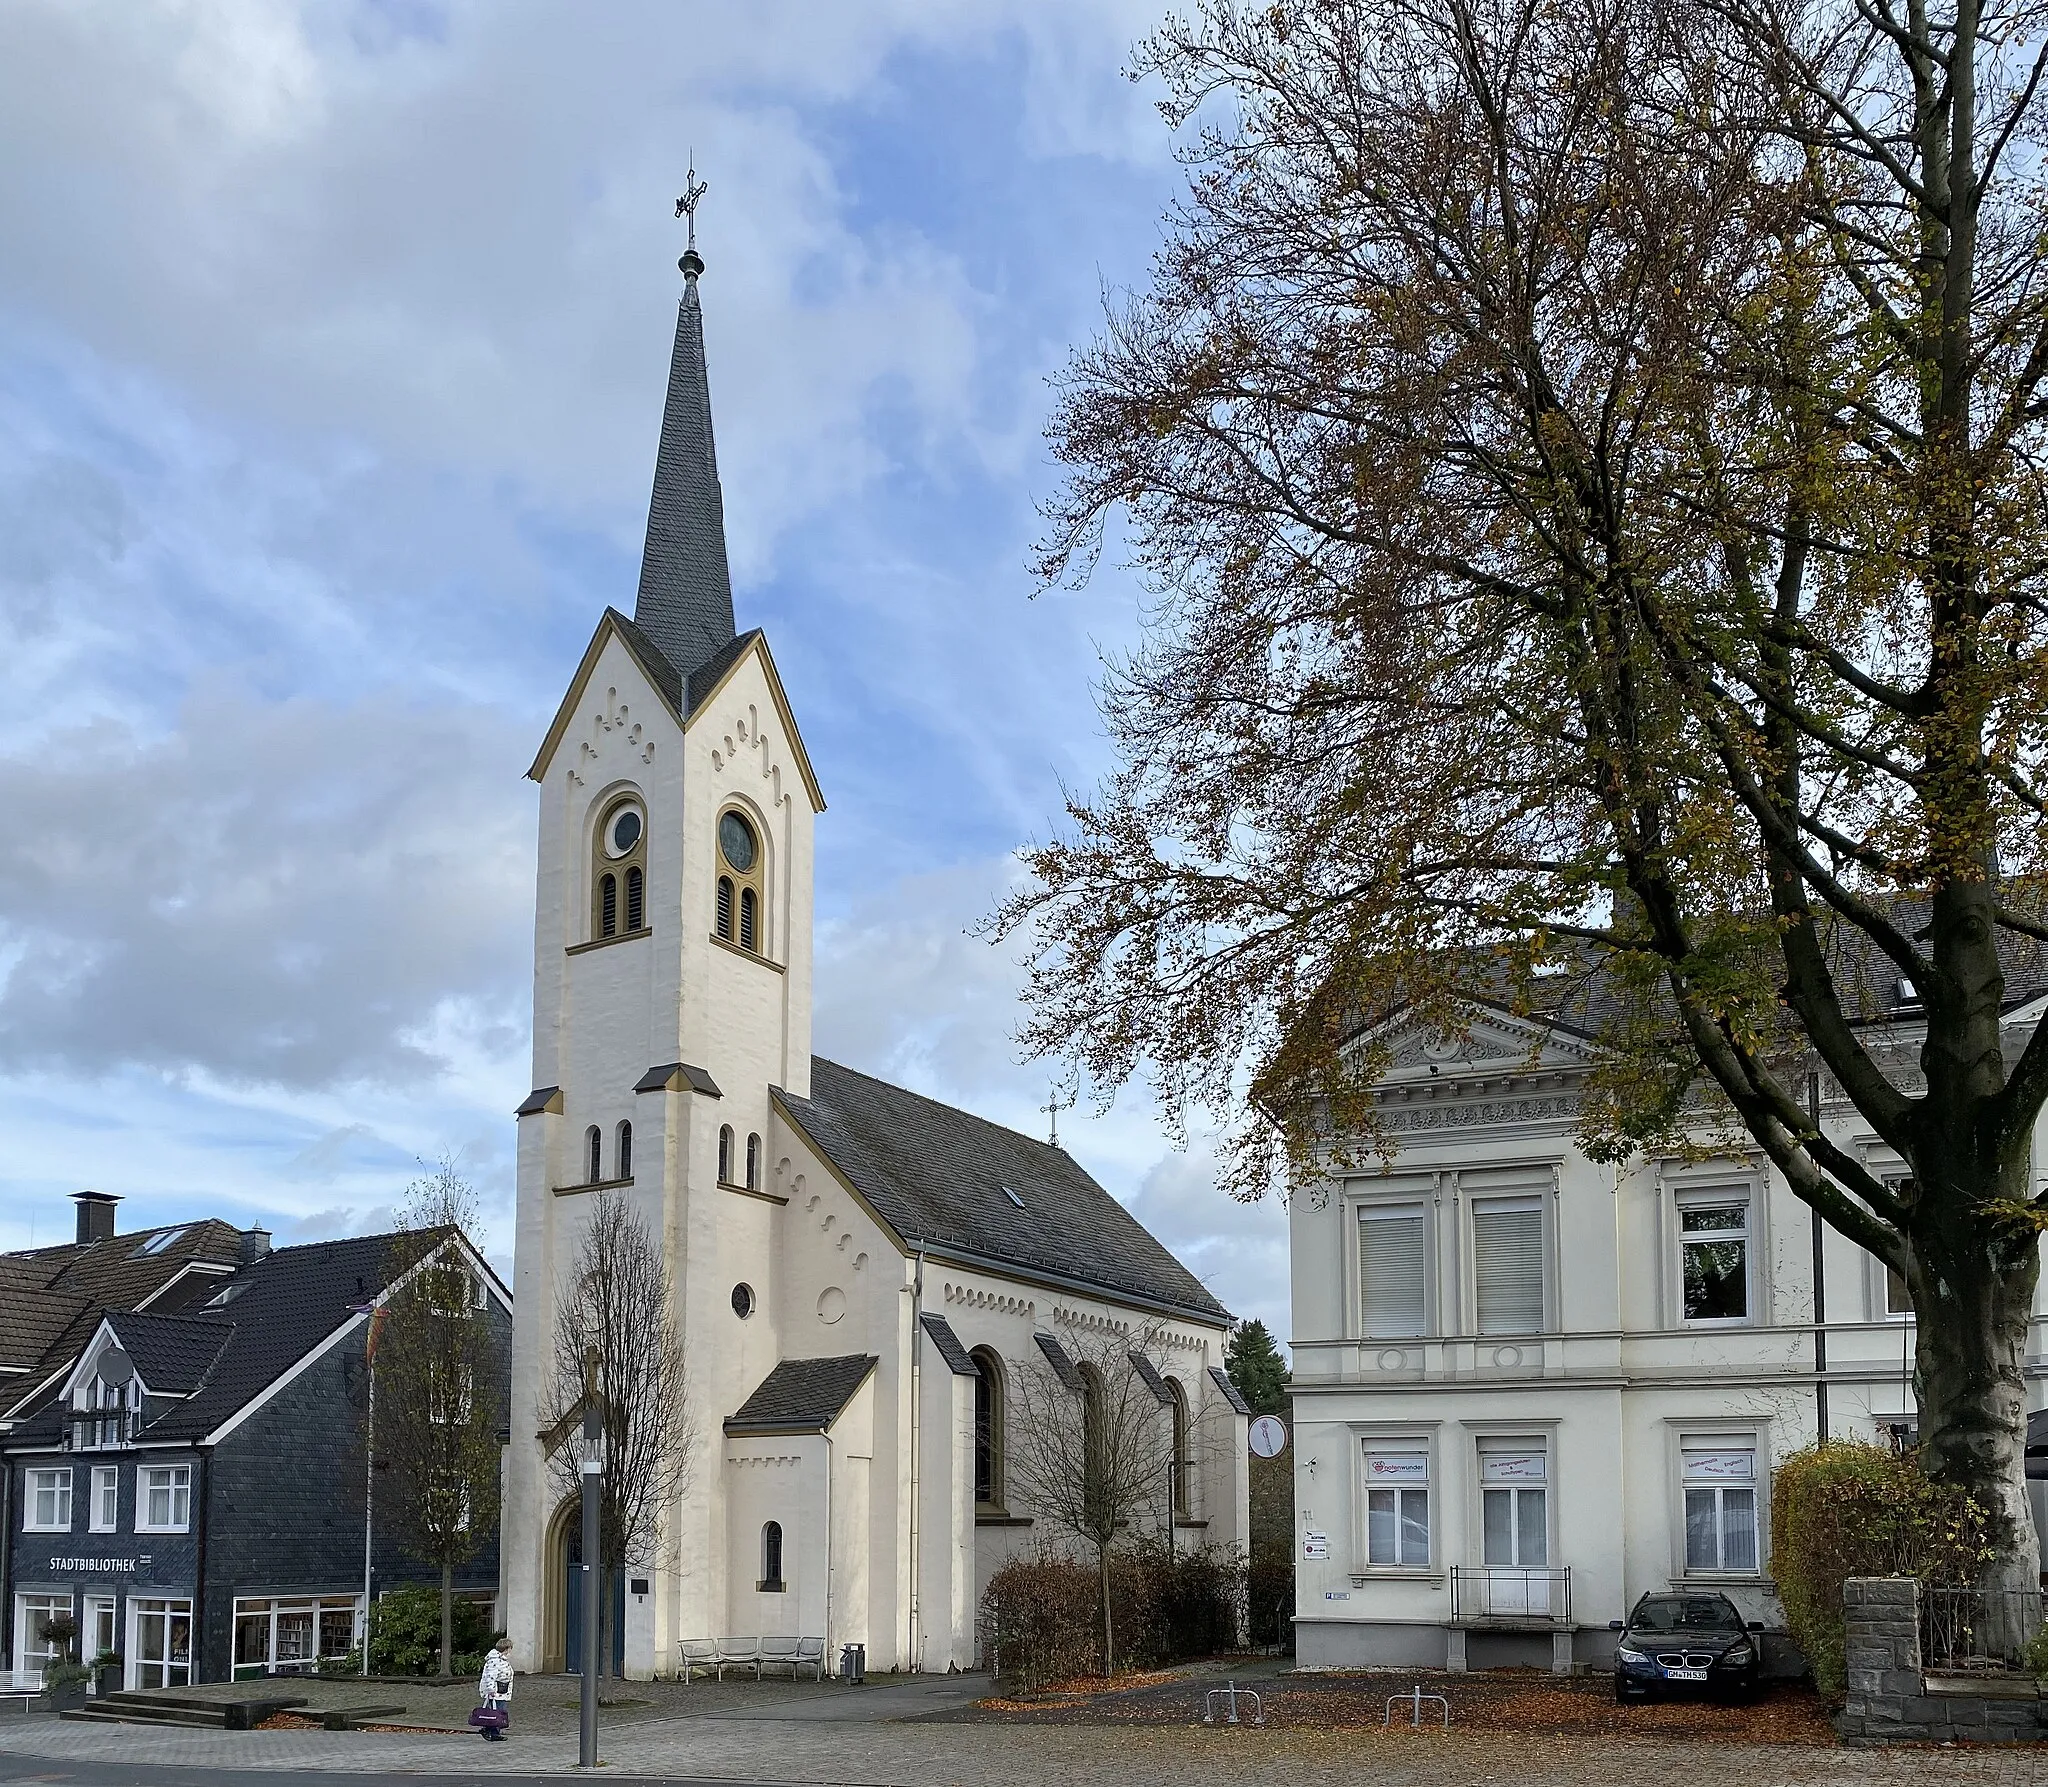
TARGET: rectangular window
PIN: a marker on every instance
(1514, 1478)
(34, 1649)
(1713, 1249)
(105, 1514)
(1397, 1506)
(1393, 1255)
(164, 1503)
(288, 1636)
(1507, 1265)
(48, 1501)
(1720, 1503)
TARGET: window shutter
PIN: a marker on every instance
(1507, 1266)
(1391, 1257)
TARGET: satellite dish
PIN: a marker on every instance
(1268, 1436)
(114, 1367)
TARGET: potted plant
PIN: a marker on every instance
(64, 1685)
(107, 1671)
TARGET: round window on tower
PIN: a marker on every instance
(743, 1300)
(736, 842)
(625, 831)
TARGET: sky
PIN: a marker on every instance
(332, 346)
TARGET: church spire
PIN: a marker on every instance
(685, 599)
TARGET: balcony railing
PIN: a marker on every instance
(1977, 1629)
(1510, 1595)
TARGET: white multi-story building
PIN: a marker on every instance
(1530, 1387)
(855, 1269)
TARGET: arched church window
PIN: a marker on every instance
(1095, 1484)
(1183, 1465)
(725, 1155)
(619, 872)
(753, 1163)
(771, 1559)
(593, 1155)
(988, 1428)
(741, 907)
(624, 1166)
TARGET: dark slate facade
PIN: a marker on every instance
(264, 1436)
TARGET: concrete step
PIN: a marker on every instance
(100, 1713)
(138, 1708)
(348, 1718)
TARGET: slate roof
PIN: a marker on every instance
(948, 1343)
(684, 602)
(1063, 1367)
(274, 1311)
(1231, 1394)
(941, 1179)
(802, 1395)
(51, 1298)
(171, 1352)
(1148, 1375)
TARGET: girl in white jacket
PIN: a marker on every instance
(494, 1686)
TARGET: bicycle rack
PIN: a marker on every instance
(1230, 1695)
(1415, 1700)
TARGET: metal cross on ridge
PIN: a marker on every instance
(694, 190)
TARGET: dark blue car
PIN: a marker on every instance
(1686, 1643)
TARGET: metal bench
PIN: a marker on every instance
(714, 1656)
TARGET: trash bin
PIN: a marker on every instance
(853, 1663)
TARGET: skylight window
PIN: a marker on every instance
(157, 1242)
(1013, 1197)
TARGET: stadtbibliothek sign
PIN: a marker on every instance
(103, 1565)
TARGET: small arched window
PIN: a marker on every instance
(988, 1429)
(753, 1163)
(740, 896)
(725, 1155)
(619, 871)
(593, 1155)
(771, 1559)
(1183, 1466)
(624, 1166)
(1095, 1484)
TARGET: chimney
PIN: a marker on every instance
(95, 1215)
(255, 1244)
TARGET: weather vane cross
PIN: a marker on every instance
(694, 190)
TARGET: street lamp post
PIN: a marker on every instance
(591, 1469)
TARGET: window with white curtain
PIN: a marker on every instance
(48, 1501)
(1397, 1504)
(1393, 1261)
(1507, 1265)
(1720, 1502)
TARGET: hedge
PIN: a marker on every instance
(1042, 1614)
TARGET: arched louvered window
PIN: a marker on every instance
(988, 1428)
(1183, 1468)
(742, 909)
(753, 1163)
(593, 1155)
(725, 1155)
(619, 870)
(624, 1164)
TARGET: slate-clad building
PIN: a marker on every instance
(188, 1483)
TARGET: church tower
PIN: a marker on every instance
(671, 992)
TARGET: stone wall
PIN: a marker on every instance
(1892, 1700)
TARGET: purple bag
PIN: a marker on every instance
(493, 1717)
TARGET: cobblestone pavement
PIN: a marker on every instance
(882, 1754)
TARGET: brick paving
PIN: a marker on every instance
(765, 1745)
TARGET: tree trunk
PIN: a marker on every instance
(447, 1617)
(1973, 1287)
(1108, 1629)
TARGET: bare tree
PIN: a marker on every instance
(439, 1412)
(615, 1304)
(1588, 456)
(1090, 1444)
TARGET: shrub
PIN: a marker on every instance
(1043, 1618)
(405, 1635)
(1851, 1509)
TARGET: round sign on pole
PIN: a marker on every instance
(1268, 1436)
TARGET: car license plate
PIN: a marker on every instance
(1685, 1675)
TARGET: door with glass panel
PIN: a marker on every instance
(163, 1644)
(1514, 1507)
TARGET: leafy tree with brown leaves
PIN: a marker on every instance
(439, 1410)
(1587, 460)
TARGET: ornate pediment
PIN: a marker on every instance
(1489, 1045)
